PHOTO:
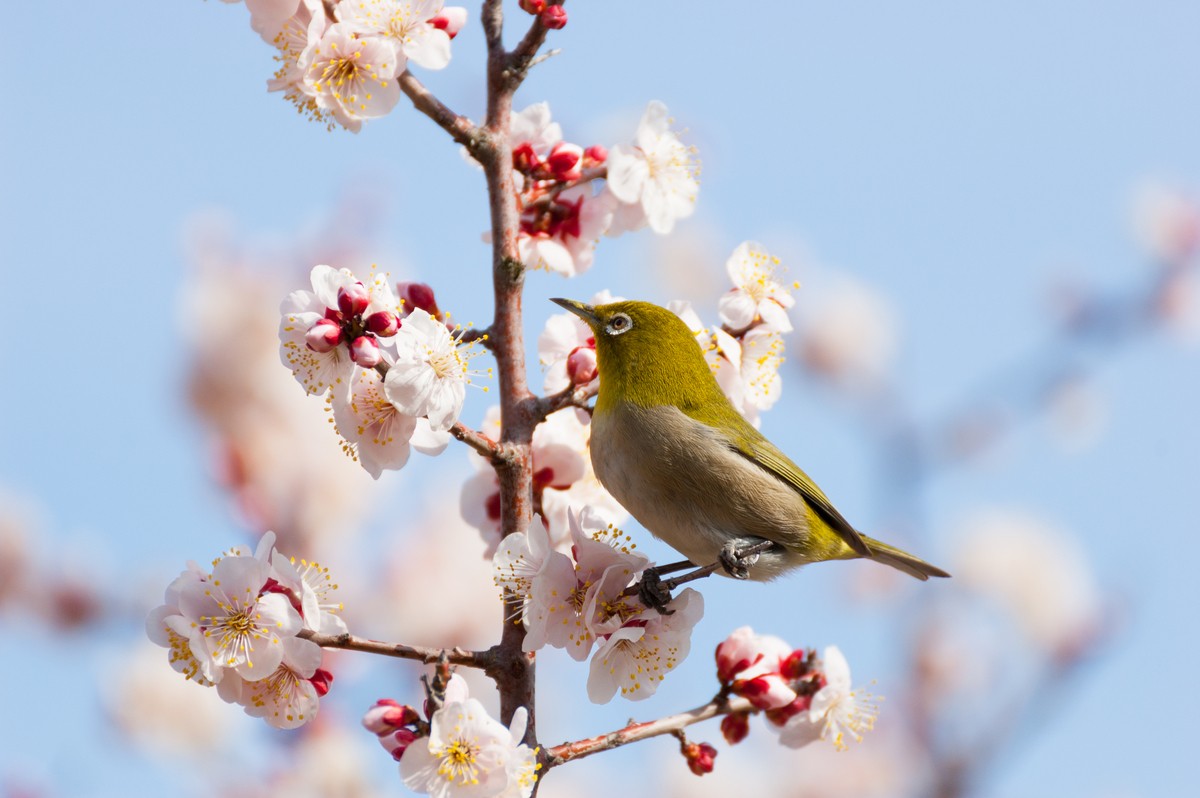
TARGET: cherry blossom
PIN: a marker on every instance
(166, 626)
(375, 432)
(752, 665)
(430, 376)
(657, 172)
(561, 235)
(757, 297)
(352, 77)
(314, 586)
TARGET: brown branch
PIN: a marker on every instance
(460, 128)
(589, 175)
(481, 443)
(572, 395)
(634, 732)
(455, 656)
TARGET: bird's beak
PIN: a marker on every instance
(585, 312)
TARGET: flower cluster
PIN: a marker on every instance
(562, 478)
(236, 628)
(585, 600)
(339, 337)
(804, 697)
(338, 62)
(460, 751)
(651, 181)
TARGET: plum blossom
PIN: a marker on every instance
(469, 753)
(352, 77)
(419, 30)
(637, 656)
(837, 712)
(757, 296)
(657, 173)
(430, 376)
(560, 236)
(376, 434)
(752, 665)
(318, 328)
(236, 629)
(577, 602)
(241, 626)
(287, 698)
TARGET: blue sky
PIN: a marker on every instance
(958, 159)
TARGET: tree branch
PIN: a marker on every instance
(481, 443)
(460, 128)
(589, 175)
(455, 656)
(573, 395)
(721, 704)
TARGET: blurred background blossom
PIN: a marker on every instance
(994, 362)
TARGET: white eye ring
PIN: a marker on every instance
(618, 324)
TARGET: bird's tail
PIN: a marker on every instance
(902, 560)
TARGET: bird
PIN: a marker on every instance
(670, 447)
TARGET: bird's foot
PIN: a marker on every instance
(653, 593)
(739, 554)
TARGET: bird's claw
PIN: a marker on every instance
(654, 593)
(734, 562)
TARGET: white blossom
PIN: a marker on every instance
(837, 712)
(430, 376)
(352, 77)
(757, 296)
(407, 24)
(376, 434)
(657, 172)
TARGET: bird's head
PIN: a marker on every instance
(645, 354)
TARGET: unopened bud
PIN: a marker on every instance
(418, 295)
(387, 716)
(581, 365)
(566, 161)
(450, 20)
(553, 17)
(398, 742)
(735, 727)
(323, 336)
(365, 352)
(781, 715)
(383, 323)
(595, 154)
(353, 299)
(534, 7)
(699, 757)
(525, 160)
(797, 665)
(321, 680)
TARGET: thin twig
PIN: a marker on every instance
(546, 56)
(460, 128)
(455, 656)
(589, 175)
(700, 572)
(572, 395)
(721, 704)
(476, 440)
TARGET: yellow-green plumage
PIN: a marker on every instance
(670, 447)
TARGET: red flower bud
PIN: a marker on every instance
(398, 742)
(781, 715)
(321, 680)
(553, 17)
(796, 665)
(534, 7)
(383, 323)
(699, 757)
(323, 336)
(735, 727)
(581, 365)
(353, 299)
(418, 295)
(595, 154)
(450, 20)
(566, 161)
(365, 352)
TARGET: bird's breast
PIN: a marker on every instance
(683, 481)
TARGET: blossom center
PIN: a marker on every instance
(458, 762)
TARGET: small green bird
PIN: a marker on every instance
(669, 446)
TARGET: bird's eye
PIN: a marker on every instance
(618, 324)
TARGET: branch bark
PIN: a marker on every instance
(720, 705)
(455, 656)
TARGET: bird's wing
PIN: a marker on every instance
(760, 451)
